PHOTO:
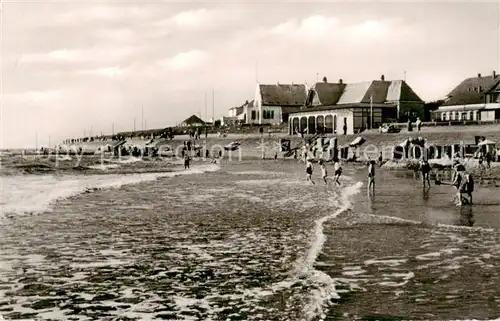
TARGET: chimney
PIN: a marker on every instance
(382, 77)
(341, 81)
(478, 75)
(325, 80)
(494, 74)
(246, 102)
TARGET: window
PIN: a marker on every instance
(268, 114)
(254, 115)
(493, 98)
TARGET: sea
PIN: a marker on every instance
(146, 239)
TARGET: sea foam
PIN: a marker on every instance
(30, 194)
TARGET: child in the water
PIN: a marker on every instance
(309, 171)
(338, 171)
(324, 171)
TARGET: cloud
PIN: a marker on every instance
(186, 60)
(107, 72)
(32, 98)
(200, 19)
(100, 13)
(312, 27)
(320, 28)
(94, 54)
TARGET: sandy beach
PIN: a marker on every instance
(243, 239)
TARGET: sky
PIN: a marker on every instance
(70, 68)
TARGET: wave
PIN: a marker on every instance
(104, 167)
(32, 194)
(321, 287)
(393, 220)
(322, 295)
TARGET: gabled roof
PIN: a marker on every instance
(381, 91)
(328, 93)
(402, 92)
(354, 93)
(283, 95)
(249, 104)
(495, 88)
(467, 93)
(193, 120)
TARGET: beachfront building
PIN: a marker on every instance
(333, 108)
(474, 99)
(273, 103)
(237, 115)
(193, 121)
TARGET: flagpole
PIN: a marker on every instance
(371, 111)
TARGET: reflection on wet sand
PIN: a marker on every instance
(466, 216)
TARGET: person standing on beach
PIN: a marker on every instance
(337, 171)
(186, 162)
(324, 171)
(419, 124)
(371, 175)
(426, 170)
(309, 171)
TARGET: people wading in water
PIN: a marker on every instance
(371, 175)
(324, 171)
(309, 171)
(470, 186)
(337, 171)
(459, 182)
(426, 169)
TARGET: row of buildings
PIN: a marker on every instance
(338, 107)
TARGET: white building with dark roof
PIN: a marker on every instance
(474, 99)
(273, 103)
(352, 107)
